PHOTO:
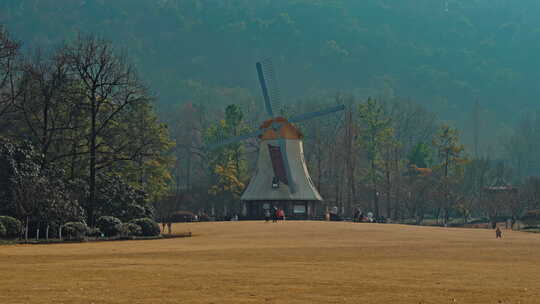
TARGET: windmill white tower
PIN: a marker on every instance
(281, 178)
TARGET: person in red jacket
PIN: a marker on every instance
(281, 214)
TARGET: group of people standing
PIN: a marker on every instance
(276, 214)
(359, 216)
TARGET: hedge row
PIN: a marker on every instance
(111, 226)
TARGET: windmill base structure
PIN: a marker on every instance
(294, 210)
(270, 186)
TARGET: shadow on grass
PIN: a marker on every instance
(100, 239)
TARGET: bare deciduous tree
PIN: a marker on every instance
(108, 86)
(9, 75)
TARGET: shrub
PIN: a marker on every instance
(182, 216)
(2, 230)
(94, 232)
(131, 229)
(75, 230)
(531, 218)
(135, 211)
(12, 225)
(109, 225)
(149, 226)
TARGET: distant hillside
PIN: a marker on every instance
(445, 53)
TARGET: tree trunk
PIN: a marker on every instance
(376, 204)
(446, 216)
(319, 164)
(73, 162)
(419, 217)
(388, 193)
(438, 214)
(188, 169)
(92, 183)
(375, 194)
(26, 229)
(493, 221)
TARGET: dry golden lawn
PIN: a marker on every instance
(291, 262)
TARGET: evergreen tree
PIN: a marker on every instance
(451, 161)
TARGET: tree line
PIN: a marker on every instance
(79, 128)
(391, 157)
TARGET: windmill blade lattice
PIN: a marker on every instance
(264, 88)
(272, 85)
(306, 116)
(331, 123)
(223, 142)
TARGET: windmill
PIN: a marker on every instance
(281, 177)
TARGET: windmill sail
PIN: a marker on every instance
(286, 164)
(224, 142)
(306, 116)
(272, 84)
(264, 88)
(278, 164)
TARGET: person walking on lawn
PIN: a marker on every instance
(267, 215)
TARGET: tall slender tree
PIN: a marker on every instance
(9, 76)
(376, 130)
(451, 158)
(108, 85)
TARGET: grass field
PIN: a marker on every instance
(292, 262)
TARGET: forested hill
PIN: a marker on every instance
(445, 53)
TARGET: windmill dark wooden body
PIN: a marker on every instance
(281, 179)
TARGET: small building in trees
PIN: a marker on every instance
(501, 196)
(500, 187)
(413, 170)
